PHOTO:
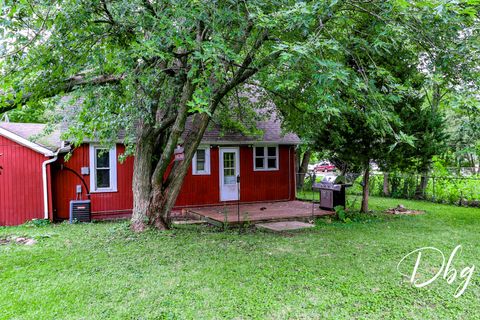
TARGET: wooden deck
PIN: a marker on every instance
(259, 212)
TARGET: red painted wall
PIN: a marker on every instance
(21, 193)
(254, 185)
(104, 205)
(197, 190)
(21, 187)
(268, 185)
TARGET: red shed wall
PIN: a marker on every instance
(197, 190)
(254, 185)
(21, 187)
(268, 185)
(105, 204)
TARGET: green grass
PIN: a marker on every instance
(334, 271)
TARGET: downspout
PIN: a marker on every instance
(45, 182)
(289, 174)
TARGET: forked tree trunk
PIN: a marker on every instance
(366, 180)
(163, 199)
(155, 198)
(155, 185)
(154, 201)
(386, 185)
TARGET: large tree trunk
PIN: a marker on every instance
(163, 200)
(156, 182)
(386, 185)
(303, 168)
(366, 180)
(155, 193)
(142, 174)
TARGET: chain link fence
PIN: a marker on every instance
(458, 190)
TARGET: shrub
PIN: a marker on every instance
(37, 223)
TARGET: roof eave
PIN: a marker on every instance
(26, 143)
(253, 142)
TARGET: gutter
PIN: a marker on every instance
(45, 183)
(45, 180)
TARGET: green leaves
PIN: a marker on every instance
(199, 104)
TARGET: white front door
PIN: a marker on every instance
(229, 171)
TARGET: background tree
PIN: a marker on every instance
(464, 129)
(447, 37)
(365, 100)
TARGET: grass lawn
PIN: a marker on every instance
(336, 270)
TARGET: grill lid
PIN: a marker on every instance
(328, 184)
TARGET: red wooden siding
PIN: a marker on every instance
(254, 185)
(197, 190)
(104, 205)
(267, 185)
(21, 187)
(201, 189)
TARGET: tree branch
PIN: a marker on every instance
(66, 86)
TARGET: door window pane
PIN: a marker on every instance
(229, 168)
(228, 159)
(229, 180)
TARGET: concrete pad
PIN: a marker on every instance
(285, 225)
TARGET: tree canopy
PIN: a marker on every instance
(379, 95)
(146, 66)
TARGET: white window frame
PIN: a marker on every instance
(265, 158)
(113, 169)
(195, 172)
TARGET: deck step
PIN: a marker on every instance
(284, 226)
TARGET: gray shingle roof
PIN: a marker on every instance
(50, 139)
(271, 129)
(36, 133)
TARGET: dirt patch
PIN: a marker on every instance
(18, 240)
(400, 209)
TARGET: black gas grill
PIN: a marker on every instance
(331, 194)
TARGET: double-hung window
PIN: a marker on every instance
(103, 169)
(201, 161)
(265, 158)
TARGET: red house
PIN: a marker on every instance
(36, 181)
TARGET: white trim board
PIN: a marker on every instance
(113, 169)
(223, 195)
(248, 143)
(207, 170)
(266, 157)
(26, 143)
